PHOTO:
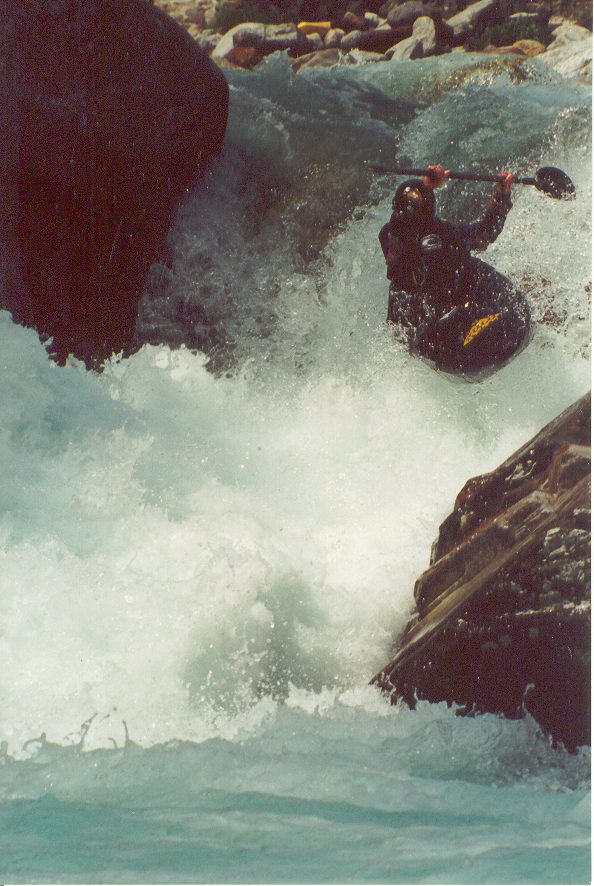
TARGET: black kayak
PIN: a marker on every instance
(475, 337)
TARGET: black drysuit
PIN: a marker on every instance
(438, 290)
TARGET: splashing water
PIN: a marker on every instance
(204, 568)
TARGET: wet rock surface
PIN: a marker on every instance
(502, 621)
(110, 112)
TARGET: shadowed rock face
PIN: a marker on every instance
(502, 618)
(110, 111)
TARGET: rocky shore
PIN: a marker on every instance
(241, 34)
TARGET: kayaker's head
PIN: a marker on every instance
(414, 201)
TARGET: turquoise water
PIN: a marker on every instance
(323, 789)
(201, 570)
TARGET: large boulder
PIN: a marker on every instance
(110, 111)
(502, 620)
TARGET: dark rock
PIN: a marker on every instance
(353, 22)
(110, 112)
(207, 40)
(324, 58)
(244, 56)
(484, 12)
(315, 43)
(264, 39)
(406, 50)
(252, 32)
(373, 20)
(410, 11)
(333, 38)
(379, 40)
(223, 15)
(502, 619)
(274, 38)
(352, 40)
(421, 44)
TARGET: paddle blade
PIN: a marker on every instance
(555, 183)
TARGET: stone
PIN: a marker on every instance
(424, 29)
(352, 40)
(227, 42)
(373, 20)
(501, 50)
(422, 42)
(556, 21)
(502, 620)
(315, 42)
(378, 40)
(570, 53)
(529, 48)
(272, 38)
(195, 16)
(353, 22)
(360, 57)
(206, 40)
(406, 50)
(110, 112)
(325, 58)
(333, 38)
(244, 56)
(475, 15)
(407, 13)
(218, 14)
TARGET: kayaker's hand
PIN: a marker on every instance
(506, 180)
(435, 176)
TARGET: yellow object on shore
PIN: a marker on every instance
(320, 28)
(479, 326)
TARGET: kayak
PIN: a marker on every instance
(475, 337)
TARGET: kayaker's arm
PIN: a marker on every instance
(478, 235)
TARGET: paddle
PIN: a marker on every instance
(548, 179)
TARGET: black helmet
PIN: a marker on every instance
(414, 200)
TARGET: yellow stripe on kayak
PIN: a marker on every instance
(479, 326)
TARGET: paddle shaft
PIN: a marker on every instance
(464, 176)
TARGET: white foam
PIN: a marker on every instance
(177, 545)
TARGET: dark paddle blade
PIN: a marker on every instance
(555, 183)
(548, 179)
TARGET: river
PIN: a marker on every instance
(208, 549)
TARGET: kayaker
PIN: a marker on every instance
(436, 296)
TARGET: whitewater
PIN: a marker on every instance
(209, 548)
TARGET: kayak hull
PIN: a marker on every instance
(473, 338)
